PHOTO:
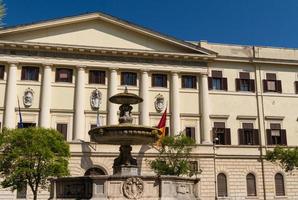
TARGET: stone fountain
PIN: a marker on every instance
(126, 182)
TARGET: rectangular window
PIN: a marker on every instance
(221, 134)
(296, 87)
(190, 132)
(129, 78)
(276, 135)
(248, 135)
(64, 75)
(22, 193)
(159, 80)
(217, 82)
(97, 77)
(189, 81)
(62, 128)
(30, 73)
(271, 84)
(2, 69)
(244, 83)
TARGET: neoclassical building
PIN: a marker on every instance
(235, 101)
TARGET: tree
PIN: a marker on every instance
(30, 156)
(287, 158)
(173, 157)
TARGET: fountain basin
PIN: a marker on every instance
(124, 134)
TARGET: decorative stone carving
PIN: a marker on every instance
(28, 97)
(133, 188)
(159, 103)
(95, 99)
(183, 189)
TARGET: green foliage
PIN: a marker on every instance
(173, 158)
(287, 158)
(30, 156)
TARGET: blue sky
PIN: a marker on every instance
(251, 22)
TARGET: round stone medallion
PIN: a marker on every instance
(133, 188)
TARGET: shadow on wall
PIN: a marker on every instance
(86, 161)
(140, 157)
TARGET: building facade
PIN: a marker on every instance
(235, 101)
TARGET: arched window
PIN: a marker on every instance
(279, 185)
(251, 185)
(222, 185)
(94, 171)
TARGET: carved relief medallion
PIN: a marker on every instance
(95, 99)
(28, 97)
(159, 103)
(133, 188)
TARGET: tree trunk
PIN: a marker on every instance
(35, 195)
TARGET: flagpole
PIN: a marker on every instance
(20, 125)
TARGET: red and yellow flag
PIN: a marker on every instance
(162, 126)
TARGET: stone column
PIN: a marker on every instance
(112, 90)
(11, 96)
(144, 106)
(79, 115)
(46, 91)
(204, 102)
(175, 111)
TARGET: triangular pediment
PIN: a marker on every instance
(97, 30)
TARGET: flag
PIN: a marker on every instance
(20, 124)
(162, 126)
(97, 119)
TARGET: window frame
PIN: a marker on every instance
(184, 84)
(63, 134)
(2, 72)
(277, 193)
(100, 79)
(127, 75)
(221, 82)
(164, 80)
(25, 71)
(66, 80)
(226, 192)
(254, 193)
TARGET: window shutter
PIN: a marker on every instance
(283, 137)
(241, 136)
(210, 83)
(279, 185)
(102, 77)
(23, 75)
(269, 138)
(265, 86)
(252, 85)
(222, 185)
(153, 80)
(122, 78)
(193, 133)
(2, 69)
(278, 86)
(183, 80)
(237, 84)
(256, 137)
(296, 87)
(214, 135)
(227, 136)
(251, 185)
(224, 84)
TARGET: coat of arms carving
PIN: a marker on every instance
(133, 188)
(95, 99)
(28, 97)
(159, 103)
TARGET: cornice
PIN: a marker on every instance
(116, 52)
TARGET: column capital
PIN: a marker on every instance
(174, 73)
(13, 63)
(46, 65)
(204, 74)
(80, 67)
(144, 70)
(113, 69)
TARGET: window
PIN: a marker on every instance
(94, 171)
(194, 168)
(271, 84)
(92, 126)
(248, 135)
(64, 75)
(222, 189)
(159, 80)
(217, 82)
(296, 87)
(251, 185)
(2, 69)
(276, 135)
(189, 81)
(97, 77)
(26, 125)
(222, 134)
(190, 132)
(244, 83)
(30, 73)
(129, 78)
(22, 193)
(62, 128)
(279, 185)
